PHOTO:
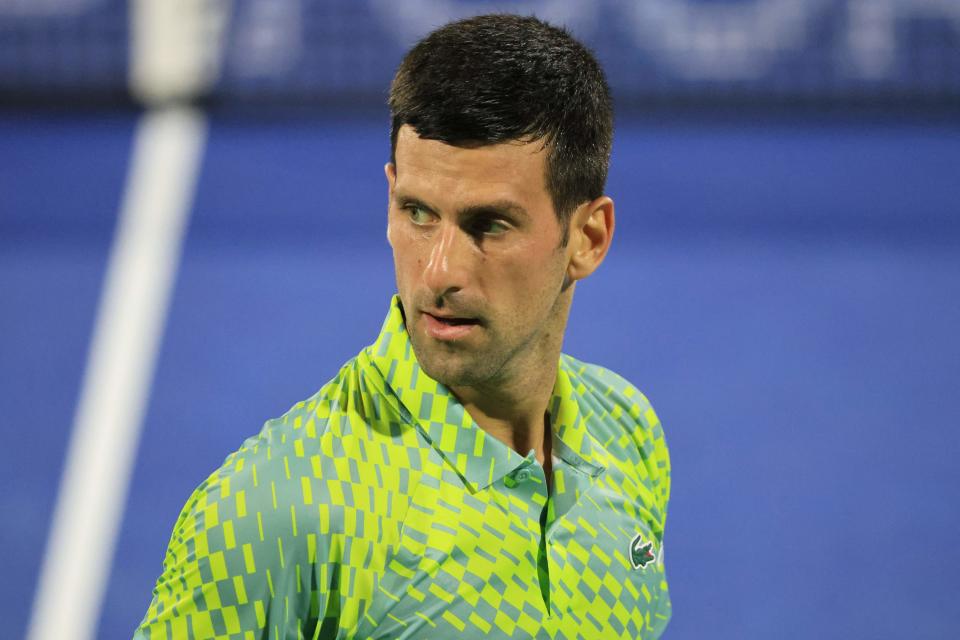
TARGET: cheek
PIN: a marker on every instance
(535, 283)
(533, 270)
(406, 260)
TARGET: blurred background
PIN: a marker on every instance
(192, 239)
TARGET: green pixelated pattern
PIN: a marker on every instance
(379, 509)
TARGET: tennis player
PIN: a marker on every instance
(460, 477)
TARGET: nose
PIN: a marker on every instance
(446, 270)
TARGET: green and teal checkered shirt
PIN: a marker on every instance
(379, 509)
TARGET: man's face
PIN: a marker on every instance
(476, 246)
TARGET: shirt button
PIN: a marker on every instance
(523, 475)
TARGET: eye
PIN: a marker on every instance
(418, 215)
(487, 227)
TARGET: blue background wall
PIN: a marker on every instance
(786, 292)
(784, 284)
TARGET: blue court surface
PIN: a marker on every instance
(785, 291)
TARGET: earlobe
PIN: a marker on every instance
(591, 234)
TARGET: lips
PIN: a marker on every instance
(453, 321)
(448, 327)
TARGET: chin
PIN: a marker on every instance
(443, 373)
(447, 370)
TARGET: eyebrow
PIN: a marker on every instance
(496, 207)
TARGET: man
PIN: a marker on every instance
(460, 477)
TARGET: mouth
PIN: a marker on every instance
(448, 327)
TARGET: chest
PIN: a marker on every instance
(517, 560)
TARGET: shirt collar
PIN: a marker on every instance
(572, 441)
(479, 458)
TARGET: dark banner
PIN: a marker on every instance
(302, 50)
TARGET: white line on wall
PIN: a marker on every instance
(115, 389)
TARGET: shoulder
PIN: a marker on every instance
(310, 467)
(614, 398)
(292, 453)
(246, 547)
(620, 417)
(263, 536)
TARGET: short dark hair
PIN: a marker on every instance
(497, 78)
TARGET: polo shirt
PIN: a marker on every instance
(378, 508)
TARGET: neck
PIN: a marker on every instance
(514, 414)
(512, 407)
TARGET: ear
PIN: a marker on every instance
(390, 170)
(591, 231)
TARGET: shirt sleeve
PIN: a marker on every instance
(242, 561)
(658, 462)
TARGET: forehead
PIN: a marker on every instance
(506, 171)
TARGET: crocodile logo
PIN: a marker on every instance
(641, 552)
